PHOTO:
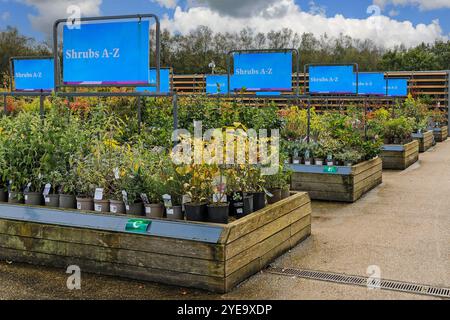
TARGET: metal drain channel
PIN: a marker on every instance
(392, 285)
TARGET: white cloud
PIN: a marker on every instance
(286, 14)
(422, 4)
(393, 13)
(170, 4)
(314, 8)
(237, 8)
(48, 11)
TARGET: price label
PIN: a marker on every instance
(137, 225)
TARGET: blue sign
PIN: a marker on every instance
(262, 72)
(33, 74)
(115, 53)
(164, 81)
(371, 83)
(332, 79)
(397, 87)
(217, 84)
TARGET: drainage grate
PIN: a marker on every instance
(363, 281)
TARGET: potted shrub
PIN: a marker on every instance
(85, 184)
(196, 190)
(274, 184)
(153, 186)
(219, 207)
(349, 157)
(241, 202)
(173, 192)
(255, 186)
(51, 195)
(67, 190)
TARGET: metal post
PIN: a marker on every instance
(41, 106)
(308, 132)
(139, 114)
(175, 111)
(448, 97)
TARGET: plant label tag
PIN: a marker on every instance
(125, 198)
(98, 207)
(116, 173)
(144, 198)
(26, 197)
(167, 198)
(330, 163)
(98, 194)
(47, 199)
(185, 199)
(127, 207)
(47, 188)
(267, 193)
(148, 210)
(296, 161)
(113, 208)
(307, 162)
(27, 188)
(240, 211)
(79, 205)
(169, 211)
(217, 197)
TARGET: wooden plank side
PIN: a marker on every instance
(321, 186)
(237, 246)
(363, 166)
(264, 246)
(259, 264)
(365, 174)
(331, 196)
(319, 177)
(215, 284)
(179, 247)
(371, 180)
(250, 223)
(374, 182)
(113, 255)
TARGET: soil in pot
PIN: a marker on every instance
(33, 198)
(101, 206)
(154, 210)
(218, 213)
(15, 197)
(85, 204)
(196, 212)
(3, 196)
(175, 213)
(67, 201)
(276, 196)
(117, 206)
(135, 209)
(259, 200)
(51, 200)
(285, 193)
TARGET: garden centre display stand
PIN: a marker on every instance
(425, 140)
(440, 134)
(400, 157)
(209, 256)
(337, 183)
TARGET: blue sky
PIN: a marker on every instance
(34, 17)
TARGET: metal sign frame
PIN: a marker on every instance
(306, 67)
(297, 62)
(11, 70)
(57, 66)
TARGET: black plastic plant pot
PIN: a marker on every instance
(285, 193)
(3, 196)
(175, 213)
(135, 209)
(33, 198)
(85, 204)
(154, 210)
(101, 206)
(196, 212)
(51, 200)
(276, 196)
(259, 200)
(218, 213)
(117, 207)
(15, 197)
(67, 201)
(248, 207)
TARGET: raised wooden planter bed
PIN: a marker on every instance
(214, 257)
(346, 184)
(400, 157)
(425, 140)
(440, 134)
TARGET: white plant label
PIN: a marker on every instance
(267, 193)
(217, 197)
(148, 210)
(98, 194)
(98, 207)
(167, 201)
(169, 211)
(113, 208)
(47, 200)
(47, 188)
(144, 198)
(26, 197)
(296, 161)
(127, 207)
(330, 164)
(307, 162)
(116, 173)
(79, 205)
(125, 198)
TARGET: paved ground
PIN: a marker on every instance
(403, 227)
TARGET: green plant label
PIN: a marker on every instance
(137, 225)
(330, 169)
